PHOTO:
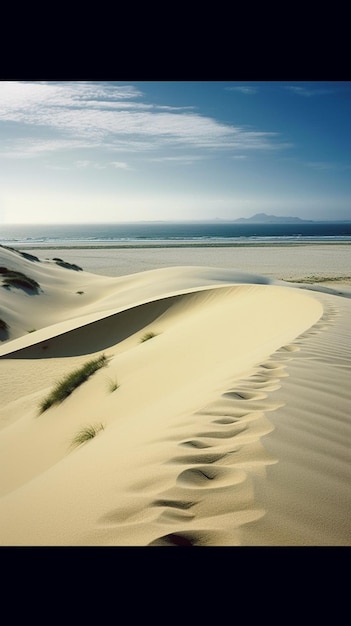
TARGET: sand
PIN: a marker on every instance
(286, 262)
(229, 426)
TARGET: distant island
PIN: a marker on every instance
(263, 218)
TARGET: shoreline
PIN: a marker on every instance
(144, 245)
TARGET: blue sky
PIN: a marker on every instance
(171, 150)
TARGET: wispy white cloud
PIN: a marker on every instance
(86, 163)
(113, 117)
(31, 147)
(308, 92)
(82, 163)
(247, 90)
(120, 165)
(177, 159)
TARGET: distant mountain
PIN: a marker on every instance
(263, 218)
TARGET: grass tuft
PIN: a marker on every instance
(112, 384)
(65, 387)
(85, 434)
(147, 336)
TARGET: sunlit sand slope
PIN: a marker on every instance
(222, 428)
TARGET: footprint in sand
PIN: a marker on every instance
(195, 459)
(226, 420)
(289, 348)
(273, 369)
(186, 539)
(244, 395)
(195, 443)
(174, 504)
(212, 477)
(174, 510)
(260, 385)
(229, 413)
(211, 469)
(255, 402)
(224, 434)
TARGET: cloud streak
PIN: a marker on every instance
(113, 117)
(244, 89)
(307, 92)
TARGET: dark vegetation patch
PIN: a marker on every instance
(3, 325)
(16, 279)
(29, 257)
(65, 387)
(25, 255)
(4, 330)
(66, 265)
(148, 336)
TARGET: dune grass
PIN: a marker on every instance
(67, 385)
(25, 255)
(4, 330)
(85, 434)
(3, 325)
(112, 384)
(147, 336)
(66, 265)
(19, 280)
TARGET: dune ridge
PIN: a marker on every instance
(209, 428)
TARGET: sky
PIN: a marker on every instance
(110, 151)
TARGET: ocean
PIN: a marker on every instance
(171, 234)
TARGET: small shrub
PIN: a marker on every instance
(85, 434)
(147, 336)
(32, 330)
(65, 387)
(80, 293)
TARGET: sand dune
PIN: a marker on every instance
(228, 426)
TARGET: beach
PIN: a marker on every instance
(219, 410)
(280, 261)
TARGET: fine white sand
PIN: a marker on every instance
(229, 427)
